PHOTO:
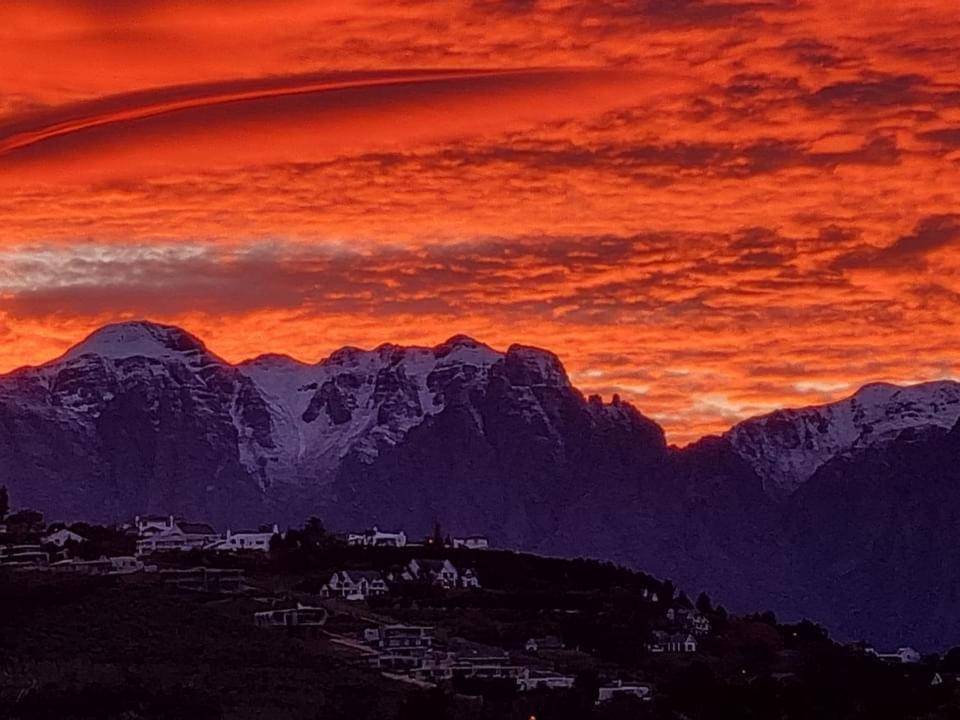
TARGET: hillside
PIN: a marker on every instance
(134, 647)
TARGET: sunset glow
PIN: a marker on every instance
(710, 207)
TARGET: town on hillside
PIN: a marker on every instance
(444, 623)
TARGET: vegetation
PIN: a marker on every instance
(129, 647)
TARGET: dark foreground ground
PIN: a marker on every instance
(130, 648)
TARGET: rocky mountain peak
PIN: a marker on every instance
(787, 447)
(462, 348)
(527, 365)
(138, 339)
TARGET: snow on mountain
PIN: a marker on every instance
(140, 339)
(787, 447)
(294, 422)
(359, 400)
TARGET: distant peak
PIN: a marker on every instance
(877, 388)
(137, 338)
(273, 360)
(465, 348)
(535, 366)
(461, 341)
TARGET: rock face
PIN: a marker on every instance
(137, 416)
(788, 446)
(846, 512)
(141, 417)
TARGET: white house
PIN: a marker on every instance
(23, 556)
(299, 616)
(438, 572)
(619, 689)
(62, 537)
(355, 585)
(152, 524)
(181, 536)
(473, 542)
(698, 624)
(258, 540)
(662, 642)
(541, 679)
(376, 538)
(400, 639)
(469, 579)
(905, 655)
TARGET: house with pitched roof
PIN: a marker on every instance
(258, 540)
(436, 572)
(374, 537)
(354, 585)
(180, 535)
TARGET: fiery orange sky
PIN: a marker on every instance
(711, 207)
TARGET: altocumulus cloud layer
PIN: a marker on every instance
(712, 208)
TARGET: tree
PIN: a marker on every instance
(951, 661)
(667, 592)
(314, 533)
(25, 522)
(4, 502)
(437, 535)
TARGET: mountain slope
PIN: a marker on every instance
(787, 447)
(141, 417)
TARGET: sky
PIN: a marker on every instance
(713, 208)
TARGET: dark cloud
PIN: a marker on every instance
(908, 251)
(948, 137)
(871, 92)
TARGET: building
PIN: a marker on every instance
(258, 540)
(904, 655)
(663, 642)
(400, 639)
(542, 644)
(698, 624)
(62, 537)
(178, 536)
(472, 542)
(23, 556)
(376, 538)
(437, 572)
(606, 693)
(147, 525)
(355, 585)
(469, 579)
(299, 616)
(204, 579)
(544, 680)
(488, 668)
(83, 567)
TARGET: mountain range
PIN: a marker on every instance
(847, 512)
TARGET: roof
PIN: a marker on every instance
(367, 575)
(189, 528)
